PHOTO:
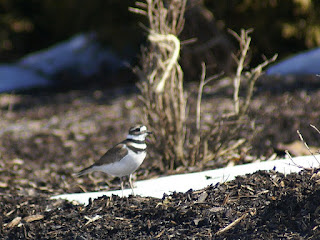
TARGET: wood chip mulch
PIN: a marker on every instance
(263, 205)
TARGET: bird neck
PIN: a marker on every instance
(136, 138)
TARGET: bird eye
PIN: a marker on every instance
(137, 129)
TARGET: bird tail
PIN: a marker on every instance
(84, 171)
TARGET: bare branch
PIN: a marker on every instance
(306, 145)
(231, 225)
(314, 127)
(137, 11)
(244, 42)
(202, 82)
(254, 75)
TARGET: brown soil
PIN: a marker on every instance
(264, 205)
(47, 136)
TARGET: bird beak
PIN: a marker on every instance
(149, 132)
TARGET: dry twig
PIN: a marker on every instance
(306, 145)
(203, 82)
(231, 225)
(244, 42)
(251, 76)
(314, 127)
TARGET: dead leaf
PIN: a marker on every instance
(14, 222)
(33, 218)
(202, 197)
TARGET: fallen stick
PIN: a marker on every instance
(231, 225)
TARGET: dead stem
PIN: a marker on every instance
(231, 225)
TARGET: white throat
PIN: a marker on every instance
(140, 137)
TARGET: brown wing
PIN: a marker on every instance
(112, 155)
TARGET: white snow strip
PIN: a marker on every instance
(183, 182)
(82, 53)
(307, 62)
(16, 78)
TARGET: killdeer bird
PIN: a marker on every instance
(124, 158)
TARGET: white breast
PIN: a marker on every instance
(125, 166)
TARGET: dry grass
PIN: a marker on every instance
(181, 137)
(161, 82)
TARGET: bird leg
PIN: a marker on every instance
(121, 179)
(131, 185)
